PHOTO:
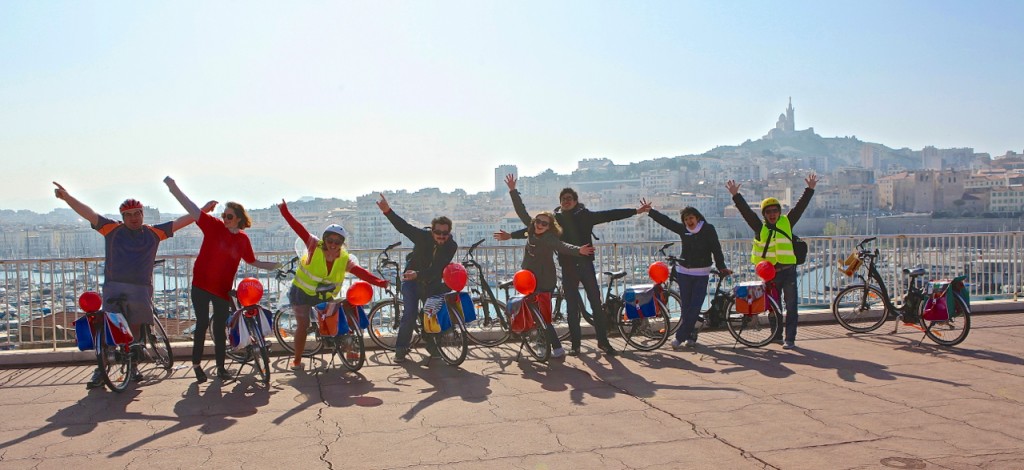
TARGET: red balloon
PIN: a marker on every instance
(658, 271)
(249, 291)
(90, 302)
(525, 282)
(455, 276)
(765, 270)
(359, 293)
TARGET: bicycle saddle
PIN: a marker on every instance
(915, 272)
(615, 274)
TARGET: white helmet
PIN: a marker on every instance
(338, 229)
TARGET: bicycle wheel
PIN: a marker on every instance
(158, 345)
(536, 339)
(952, 331)
(490, 327)
(285, 328)
(351, 348)
(115, 362)
(385, 317)
(754, 330)
(257, 349)
(451, 343)
(860, 308)
(644, 333)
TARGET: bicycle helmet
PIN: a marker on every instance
(338, 229)
(130, 205)
(768, 202)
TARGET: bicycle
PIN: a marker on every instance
(114, 360)
(491, 324)
(533, 337)
(646, 332)
(253, 346)
(386, 315)
(865, 307)
(118, 362)
(559, 315)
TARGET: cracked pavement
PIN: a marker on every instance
(838, 401)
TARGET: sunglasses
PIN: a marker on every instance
(441, 233)
(541, 222)
(333, 240)
(773, 210)
(227, 216)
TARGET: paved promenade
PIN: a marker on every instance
(838, 401)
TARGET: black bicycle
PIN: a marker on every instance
(643, 332)
(491, 325)
(864, 307)
(385, 317)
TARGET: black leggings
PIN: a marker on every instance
(201, 300)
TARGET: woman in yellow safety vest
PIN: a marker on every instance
(326, 262)
(773, 241)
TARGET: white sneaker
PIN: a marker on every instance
(558, 352)
(676, 345)
(788, 345)
(691, 343)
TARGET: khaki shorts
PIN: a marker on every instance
(139, 301)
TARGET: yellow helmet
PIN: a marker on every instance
(768, 202)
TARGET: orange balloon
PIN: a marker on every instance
(658, 271)
(359, 293)
(455, 276)
(249, 291)
(525, 282)
(765, 270)
(90, 301)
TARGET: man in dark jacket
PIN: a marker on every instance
(432, 250)
(578, 229)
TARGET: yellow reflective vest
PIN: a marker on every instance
(780, 248)
(314, 271)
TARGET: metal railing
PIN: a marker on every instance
(39, 297)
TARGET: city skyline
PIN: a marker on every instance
(257, 105)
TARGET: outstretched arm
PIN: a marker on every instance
(185, 202)
(365, 275)
(81, 209)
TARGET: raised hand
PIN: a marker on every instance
(733, 187)
(60, 192)
(209, 206)
(510, 181)
(383, 204)
(502, 235)
(645, 206)
(811, 180)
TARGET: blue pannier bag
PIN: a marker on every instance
(83, 334)
(639, 301)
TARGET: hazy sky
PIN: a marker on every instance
(258, 101)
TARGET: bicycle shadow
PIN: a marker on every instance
(332, 387)
(556, 376)
(444, 382)
(935, 350)
(775, 364)
(615, 373)
(85, 415)
(244, 398)
(660, 360)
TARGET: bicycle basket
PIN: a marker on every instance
(850, 265)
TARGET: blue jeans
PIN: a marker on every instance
(785, 281)
(574, 272)
(410, 308)
(692, 291)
